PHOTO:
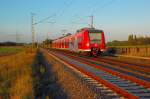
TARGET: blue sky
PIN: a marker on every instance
(118, 18)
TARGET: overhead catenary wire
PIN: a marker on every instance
(61, 12)
(67, 5)
(93, 11)
(41, 21)
(98, 8)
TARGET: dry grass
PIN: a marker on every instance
(16, 75)
(71, 85)
(132, 60)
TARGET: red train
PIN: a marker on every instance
(89, 40)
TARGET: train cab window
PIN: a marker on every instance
(95, 37)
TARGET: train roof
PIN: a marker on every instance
(68, 34)
(82, 29)
(89, 29)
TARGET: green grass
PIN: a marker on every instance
(5, 50)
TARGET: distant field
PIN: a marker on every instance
(9, 50)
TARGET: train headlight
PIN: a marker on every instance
(96, 45)
(87, 44)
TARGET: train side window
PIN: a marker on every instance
(79, 40)
(65, 43)
(68, 42)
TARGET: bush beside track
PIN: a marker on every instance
(143, 51)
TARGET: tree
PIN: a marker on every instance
(130, 39)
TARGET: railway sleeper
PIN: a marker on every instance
(101, 89)
(104, 75)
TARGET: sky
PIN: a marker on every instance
(117, 18)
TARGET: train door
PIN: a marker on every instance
(80, 42)
(70, 44)
(76, 44)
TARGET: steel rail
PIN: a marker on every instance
(139, 68)
(117, 89)
(126, 77)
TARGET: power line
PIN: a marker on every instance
(41, 21)
(103, 6)
(95, 9)
(54, 15)
(45, 19)
(36, 23)
(66, 7)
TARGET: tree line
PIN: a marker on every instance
(10, 44)
(132, 41)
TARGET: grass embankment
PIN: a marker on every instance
(70, 84)
(9, 50)
(16, 75)
(45, 82)
(132, 60)
(133, 46)
(29, 75)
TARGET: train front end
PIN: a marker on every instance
(95, 41)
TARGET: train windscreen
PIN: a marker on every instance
(95, 37)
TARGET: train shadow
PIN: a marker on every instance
(45, 81)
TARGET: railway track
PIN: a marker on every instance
(105, 66)
(137, 64)
(121, 84)
(128, 69)
(125, 68)
(140, 68)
